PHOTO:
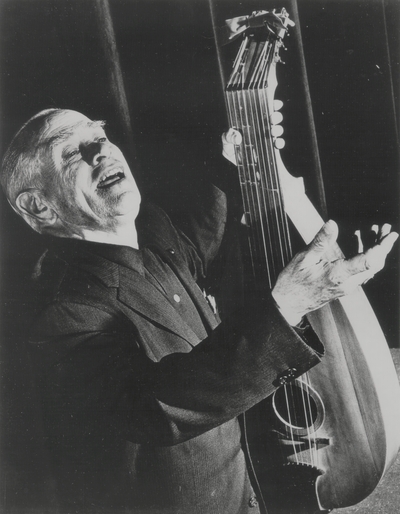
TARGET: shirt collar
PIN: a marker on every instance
(122, 255)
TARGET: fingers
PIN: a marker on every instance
(360, 245)
(372, 260)
(366, 238)
(229, 140)
(375, 229)
(387, 240)
(232, 137)
(364, 265)
(385, 230)
(376, 235)
(369, 238)
(311, 279)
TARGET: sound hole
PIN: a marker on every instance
(298, 407)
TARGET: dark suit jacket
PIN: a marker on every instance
(141, 416)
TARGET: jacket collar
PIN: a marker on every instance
(133, 290)
(79, 253)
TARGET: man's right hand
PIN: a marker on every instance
(231, 139)
(311, 279)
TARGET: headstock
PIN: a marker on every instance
(263, 33)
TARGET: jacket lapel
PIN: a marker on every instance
(157, 232)
(137, 294)
(196, 294)
(133, 290)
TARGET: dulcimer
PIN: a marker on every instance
(339, 423)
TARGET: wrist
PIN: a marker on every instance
(293, 318)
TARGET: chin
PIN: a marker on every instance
(129, 204)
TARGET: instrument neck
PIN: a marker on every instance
(264, 212)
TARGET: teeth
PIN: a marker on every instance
(112, 173)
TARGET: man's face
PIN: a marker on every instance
(88, 180)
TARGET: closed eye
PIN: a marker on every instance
(71, 154)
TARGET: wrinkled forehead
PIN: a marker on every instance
(63, 125)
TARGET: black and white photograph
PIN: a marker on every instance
(199, 291)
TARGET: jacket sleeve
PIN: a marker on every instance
(198, 231)
(204, 227)
(95, 377)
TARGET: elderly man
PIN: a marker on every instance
(142, 384)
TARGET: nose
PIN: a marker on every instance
(93, 153)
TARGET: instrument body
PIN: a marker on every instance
(350, 428)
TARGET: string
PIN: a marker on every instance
(261, 85)
(255, 177)
(306, 397)
(239, 118)
(270, 169)
(271, 179)
(269, 190)
(269, 172)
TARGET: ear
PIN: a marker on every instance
(35, 210)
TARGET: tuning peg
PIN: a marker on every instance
(279, 143)
(278, 104)
(276, 130)
(275, 118)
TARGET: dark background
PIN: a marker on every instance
(51, 56)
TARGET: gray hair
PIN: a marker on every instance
(22, 167)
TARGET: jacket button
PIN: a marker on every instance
(253, 501)
(177, 298)
(171, 251)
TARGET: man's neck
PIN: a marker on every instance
(125, 235)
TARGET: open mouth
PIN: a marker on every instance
(111, 178)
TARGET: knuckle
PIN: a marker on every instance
(337, 273)
(335, 279)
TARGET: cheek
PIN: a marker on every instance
(116, 152)
(78, 182)
(75, 181)
(118, 155)
(70, 187)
